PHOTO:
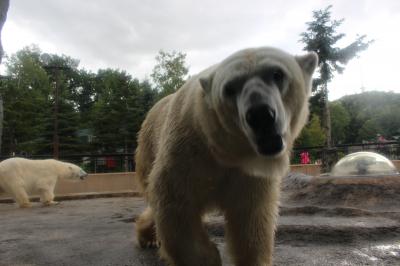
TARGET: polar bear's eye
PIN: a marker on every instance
(233, 87)
(229, 90)
(278, 76)
(273, 75)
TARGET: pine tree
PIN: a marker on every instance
(321, 37)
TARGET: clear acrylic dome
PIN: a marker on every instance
(363, 163)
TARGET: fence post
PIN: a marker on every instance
(329, 158)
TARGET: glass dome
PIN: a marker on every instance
(364, 163)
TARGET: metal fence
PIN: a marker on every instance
(391, 150)
(124, 162)
(98, 163)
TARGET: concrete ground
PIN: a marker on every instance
(100, 231)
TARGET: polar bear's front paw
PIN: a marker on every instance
(147, 238)
(25, 205)
(147, 243)
(50, 203)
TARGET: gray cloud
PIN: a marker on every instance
(128, 34)
(123, 33)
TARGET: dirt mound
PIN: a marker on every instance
(358, 192)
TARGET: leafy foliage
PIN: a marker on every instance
(312, 135)
(170, 71)
(340, 121)
(25, 95)
(372, 113)
(99, 112)
(358, 118)
(116, 95)
(109, 106)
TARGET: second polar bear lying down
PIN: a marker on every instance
(19, 176)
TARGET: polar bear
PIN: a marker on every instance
(222, 141)
(19, 176)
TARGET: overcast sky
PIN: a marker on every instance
(127, 34)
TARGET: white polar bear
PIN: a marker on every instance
(223, 140)
(19, 176)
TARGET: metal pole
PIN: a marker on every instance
(56, 140)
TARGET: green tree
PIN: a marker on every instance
(321, 36)
(380, 107)
(312, 134)
(83, 94)
(368, 131)
(340, 122)
(60, 133)
(170, 72)
(115, 114)
(25, 101)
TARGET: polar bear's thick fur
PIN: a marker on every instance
(222, 141)
(19, 176)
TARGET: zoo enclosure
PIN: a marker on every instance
(124, 162)
(391, 150)
(93, 163)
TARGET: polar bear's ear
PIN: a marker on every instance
(206, 82)
(308, 62)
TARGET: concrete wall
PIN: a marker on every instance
(108, 182)
(116, 182)
(307, 169)
(397, 164)
(98, 183)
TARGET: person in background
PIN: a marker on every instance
(304, 157)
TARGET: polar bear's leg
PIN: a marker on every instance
(179, 227)
(146, 230)
(250, 237)
(21, 197)
(250, 229)
(184, 240)
(46, 191)
(46, 197)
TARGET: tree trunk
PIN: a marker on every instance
(126, 157)
(327, 119)
(56, 138)
(328, 154)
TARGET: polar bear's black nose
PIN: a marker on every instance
(261, 118)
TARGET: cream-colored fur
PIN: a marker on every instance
(196, 153)
(19, 176)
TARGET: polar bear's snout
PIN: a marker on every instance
(262, 120)
(262, 116)
(82, 175)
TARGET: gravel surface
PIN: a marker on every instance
(101, 232)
